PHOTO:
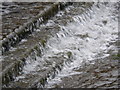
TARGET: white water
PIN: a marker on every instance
(87, 37)
(94, 44)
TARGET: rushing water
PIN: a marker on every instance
(87, 37)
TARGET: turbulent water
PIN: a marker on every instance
(87, 37)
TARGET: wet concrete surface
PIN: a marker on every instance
(15, 14)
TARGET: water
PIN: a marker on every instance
(83, 37)
(88, 38)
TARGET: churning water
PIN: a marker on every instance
(87, 37)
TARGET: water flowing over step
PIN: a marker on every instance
(35, 46)
(92, 40)
(80, 33)
(31, 25)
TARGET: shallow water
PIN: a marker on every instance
(88, 38)
(82, 37)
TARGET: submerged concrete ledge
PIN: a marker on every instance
(15, 37)
(14, 62)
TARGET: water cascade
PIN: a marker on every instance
(79, 34)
